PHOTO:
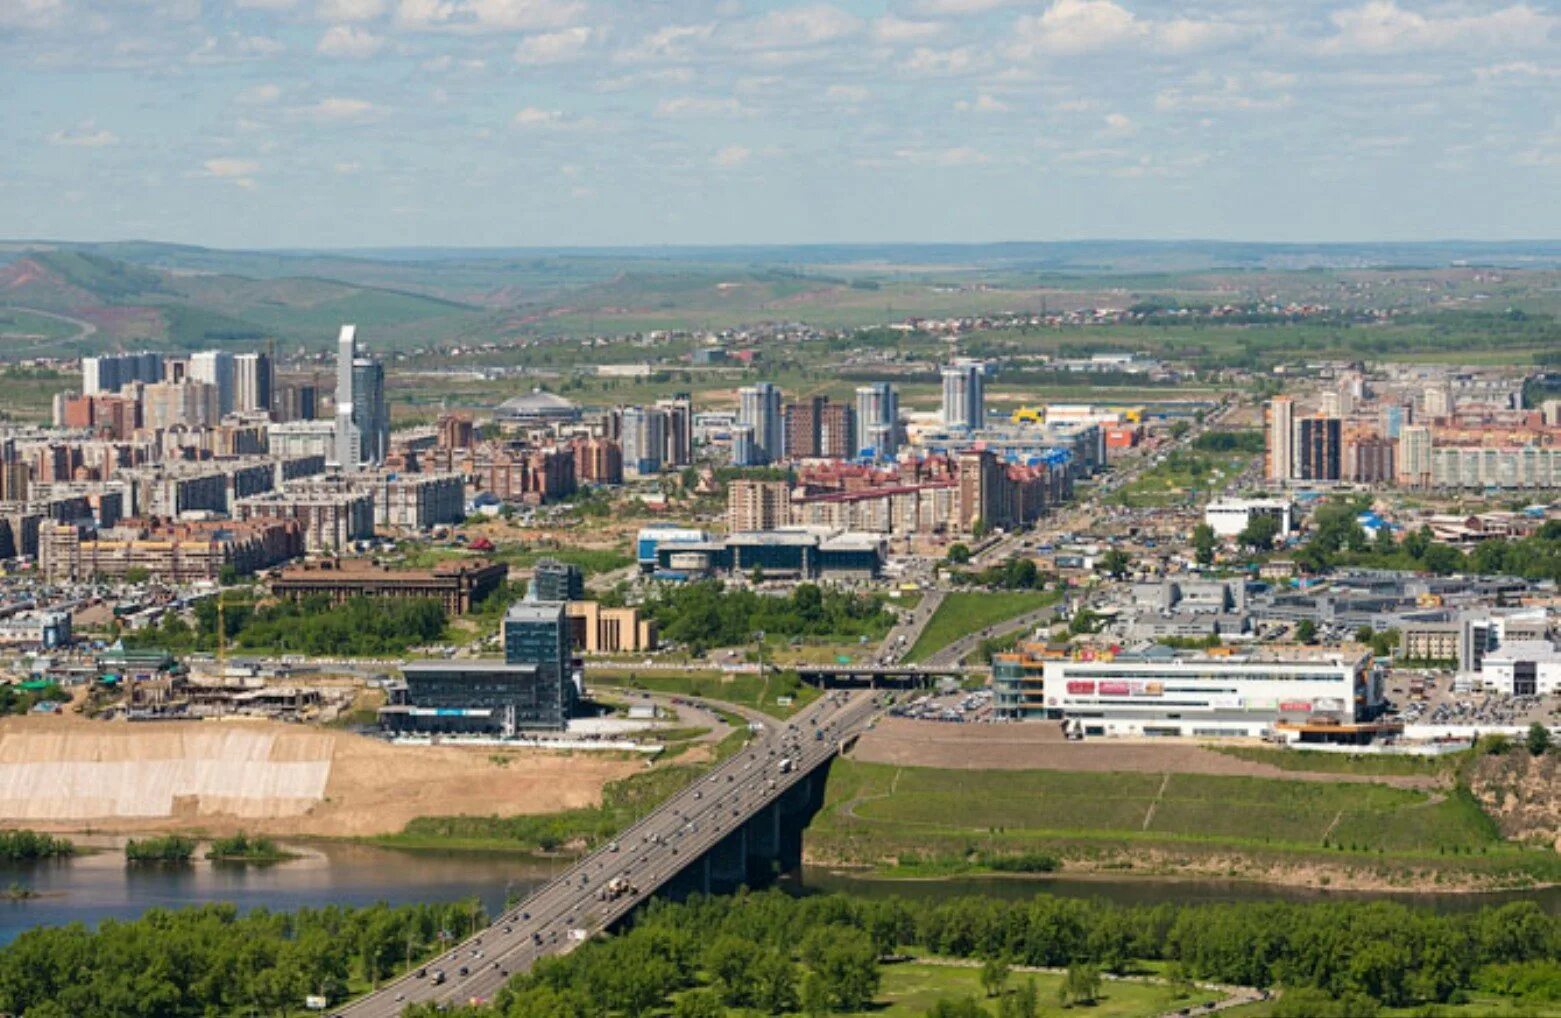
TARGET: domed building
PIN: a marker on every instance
(537, 408)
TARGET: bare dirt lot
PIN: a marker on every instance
(65, 773)
(1040, 746)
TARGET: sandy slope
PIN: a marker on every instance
(66, 773)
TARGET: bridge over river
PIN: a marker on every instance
(736, 825)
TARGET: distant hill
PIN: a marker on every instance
(184, 309)
(186, 297)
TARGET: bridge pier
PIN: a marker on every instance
(726, 864)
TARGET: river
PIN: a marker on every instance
(97, 886)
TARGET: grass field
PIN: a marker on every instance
(1181, 478)
(909, 989)
(1375, 765)
(878, 812)
(966, 612)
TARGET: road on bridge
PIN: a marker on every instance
(607, 884)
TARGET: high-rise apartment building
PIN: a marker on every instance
(1319, 451)
(644, 431)
(215, 368)
(1413, 462)
(757, 505)
(1281, 439)
(190, 404)
(297, 401)
(819, 428)
(252, 382)
(1438, 401)
(1368, 459)
(877, 420)
(362, 415)
(745, 450)
(964, 394)
(759, 408)
(678, 448)
(107, 374)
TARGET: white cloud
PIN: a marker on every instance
(796, 27)
(346, 169)
(699, 106)
(339, 108)
(1383, 27)
(732, 155)
(30, 13)
(962, 155)
(1120, 123)
(959, 6)
(982, 103)
(240, 172)
(1073, 27)
(1183, 35)
(1516, 69)
(480, 15)
(339, 11)
(86, 134)
(260, 95)
(349, 41)
(1076, 26)
(1232, 95)
(268, 5)
(670, 43)
(553, 47)
(234, 47)
(924, 60)
(535, 116)
(847, 93)
(891, 29)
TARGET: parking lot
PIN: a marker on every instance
(1442, 705)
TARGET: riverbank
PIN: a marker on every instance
(1366, 835)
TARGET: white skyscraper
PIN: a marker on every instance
(252, 382)
(759, 407)
(215, 368)
(644, 439)
(1281, 439)
(964, 394)
(362, 417)
(877, 419)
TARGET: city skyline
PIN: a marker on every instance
(341, 123)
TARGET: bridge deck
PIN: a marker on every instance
(559, 916)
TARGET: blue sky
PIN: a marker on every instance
(275, 123)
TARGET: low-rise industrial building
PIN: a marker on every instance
(170, 552)
(597, 630)
(457, 585)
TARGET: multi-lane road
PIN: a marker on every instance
(607, 884)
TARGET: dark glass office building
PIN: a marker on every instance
(532, 688)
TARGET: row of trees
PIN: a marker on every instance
(210, 960)
(774, 953)
(27, 846)
(362, 626)
(1338, 539)
(708, 614)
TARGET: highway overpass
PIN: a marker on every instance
(737, 824)
(868, 676)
